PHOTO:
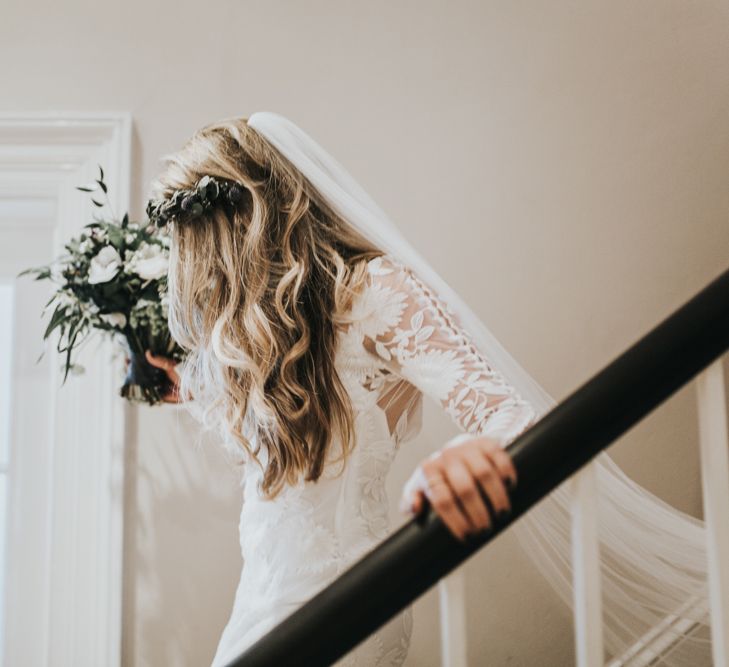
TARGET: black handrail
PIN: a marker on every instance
(420, 553)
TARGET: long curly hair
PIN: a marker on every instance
(256, 297)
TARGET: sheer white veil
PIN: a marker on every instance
(653, 557)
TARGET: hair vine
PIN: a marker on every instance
(186, 204)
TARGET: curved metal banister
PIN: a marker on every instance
(420, 553)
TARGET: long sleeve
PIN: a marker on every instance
(419, 339)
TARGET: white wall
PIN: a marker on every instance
(563, 163)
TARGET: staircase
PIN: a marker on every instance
(686, 346)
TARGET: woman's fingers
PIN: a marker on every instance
(465, 486)
(489, 479)
(487, 485)
(465, 483)
(502, 461)
(172, 396)
(443, 500)
(168, 366)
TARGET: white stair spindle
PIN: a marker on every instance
(452, 595)
(715, 488)
(586, 570)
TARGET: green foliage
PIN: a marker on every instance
(112, 278)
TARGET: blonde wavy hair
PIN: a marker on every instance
(256, 297)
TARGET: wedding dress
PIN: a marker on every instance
(652, 557)
(403, 342)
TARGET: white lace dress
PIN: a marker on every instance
(402, 344)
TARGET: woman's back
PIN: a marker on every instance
(402, 342)
(297, 543)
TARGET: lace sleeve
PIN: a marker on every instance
(419, 339)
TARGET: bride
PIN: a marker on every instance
(313, 331)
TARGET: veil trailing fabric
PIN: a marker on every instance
(652, 556)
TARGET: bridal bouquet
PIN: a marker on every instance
(113, 279)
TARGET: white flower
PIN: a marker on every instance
(378, 309)
(104, 266)
(85, 246)
(437, 372)
(98, 234)
(149, 262)
(114, 319)
(129, 239)
(379, 266)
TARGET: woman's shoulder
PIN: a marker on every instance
(386, 277)
(386, 271)
(378, 306)
(384, 264)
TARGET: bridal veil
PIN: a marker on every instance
(652, 556)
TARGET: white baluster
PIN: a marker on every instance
(452, 595)
(715, 487)
(586, 569)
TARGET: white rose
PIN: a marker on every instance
(114, 319)
(104, 266)
(149, 262)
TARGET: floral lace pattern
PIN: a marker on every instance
(418, 338)
(403, 343)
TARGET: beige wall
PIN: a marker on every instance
(563, 163)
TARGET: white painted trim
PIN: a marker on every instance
(714, 443)
(586, 569)
(78, 619)
(453, 637)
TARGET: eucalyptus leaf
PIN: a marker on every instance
(58, 315)
(116, 236)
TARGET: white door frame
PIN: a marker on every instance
(75, 617)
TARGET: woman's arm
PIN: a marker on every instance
(418, 338)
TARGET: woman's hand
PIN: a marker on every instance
(453, 480)
(168, 366)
